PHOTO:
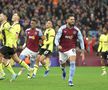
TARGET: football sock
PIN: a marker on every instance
(36, 67)
(103, 68)
(63, 68)
(1, 67)
(10, 69)
(22, 63)
(72, 70)
(46, 67)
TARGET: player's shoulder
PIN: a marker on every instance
(76, 28)
(17, 25)
(62, 27)
(52, 30)
(102, 35)
(6, 24)
(28, 29)
(38, 29)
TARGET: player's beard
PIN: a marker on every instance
(71, 24)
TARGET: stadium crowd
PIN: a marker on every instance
(90, 14)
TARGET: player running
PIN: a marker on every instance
(33, 36)
(65, 40)
(8, 50)
(103, 48)
(47, 48)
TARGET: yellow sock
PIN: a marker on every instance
(47, 61)
(103, 68)
(1, 67)
(22, 63)
(9, 67)
(46, 67)
(36, 67)
(47, 64)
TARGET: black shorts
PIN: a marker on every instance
(44, 52)
(7, 52)
(104, 55)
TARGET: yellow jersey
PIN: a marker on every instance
(12, 35)
(103, 43)
(48, 42)
(4, 27)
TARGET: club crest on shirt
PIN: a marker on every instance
(65, 31)
(28, 32)
(74, 32)
(35, 33)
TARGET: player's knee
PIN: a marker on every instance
(41, 59)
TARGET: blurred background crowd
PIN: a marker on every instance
(90, 15)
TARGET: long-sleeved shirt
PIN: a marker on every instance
(67, 38)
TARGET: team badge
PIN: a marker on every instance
(28, 32)
(35, 33)
(74, 32)
(65, 31)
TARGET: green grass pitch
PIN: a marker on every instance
(86, 78)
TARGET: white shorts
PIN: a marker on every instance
(63, 56)
(28, 52)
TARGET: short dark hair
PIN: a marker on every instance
(69, 15)
(34, 19)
